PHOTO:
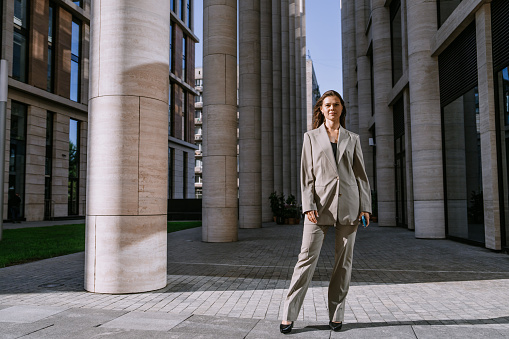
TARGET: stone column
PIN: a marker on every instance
(276, 102)
(364, 88)
(125, 247)
(425, 121)
(488, 128)
(353, 112)
(345, 31)
(250, 192)
(303, 72)
(220, 194)
(298, 113)
(285, 87)
(267, 115)
(383, 114)
(293, 146)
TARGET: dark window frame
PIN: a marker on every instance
(395, 8)
(51, 49)
(73, 206)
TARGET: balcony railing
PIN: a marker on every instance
(197, 137)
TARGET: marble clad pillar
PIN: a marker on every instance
(298, 113)
(276, 100)
(488, 128)
(285, 87)
(220, 194)
(291, 126)
(266, 103)
(250, 192)
(126, 231)
(425, 121)
(364, 88)
(383, 113)
(346, 28)
(303, 82)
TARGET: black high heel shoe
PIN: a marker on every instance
(286, 328)
(336, 327)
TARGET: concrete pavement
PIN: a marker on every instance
(402, 287)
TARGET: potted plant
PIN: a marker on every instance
(280, 217)
(374, 206)
(291, 207)
(274, 204)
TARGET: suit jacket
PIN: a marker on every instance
(337, 188)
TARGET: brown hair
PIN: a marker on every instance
(319, 118)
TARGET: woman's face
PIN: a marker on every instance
(332, 108)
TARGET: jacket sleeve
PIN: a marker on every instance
(307, 176)
(361, 178)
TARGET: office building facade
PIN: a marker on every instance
(426, 88)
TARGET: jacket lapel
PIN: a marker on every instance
(324, 142)
(342, 142)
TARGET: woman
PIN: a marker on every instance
(335, 193)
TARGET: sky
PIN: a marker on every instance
(323, 40)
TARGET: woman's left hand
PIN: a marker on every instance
(366, 216)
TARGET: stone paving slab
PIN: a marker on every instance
(27, 314)
(145, 321)
(399, 283)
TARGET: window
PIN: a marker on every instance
(396, 42)
(170, 110)
(48, 168)
(171, 161)
(184, 115)
(184, 52)
(182, 11)
(173, 4)
(198, 82)
(78, 3)
(184, 177)
(20, 41)
(198, 98)
(75, 60)
(445, 9)
(74, 167)
(463, 177)
(189, 13)
(51, 54)
(17, 154)
(171, 47)
(502, 90)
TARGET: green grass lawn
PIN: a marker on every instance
(24, 245)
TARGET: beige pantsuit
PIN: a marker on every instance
(338, 188)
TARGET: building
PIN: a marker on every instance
(181, 114)
(426, 88)
(198, 131)
(312, 92)
(46, 45)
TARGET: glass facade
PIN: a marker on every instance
(51, 54)
(74, 167)
(502, 89)
(445, 8)
(17, 156)
(463, 176)
(171, 48)
(20, 43)
(188, 8)
(182, 10)
(75, 60)
(184, 58)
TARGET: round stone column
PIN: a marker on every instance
(250, 192)
(266, 112)
(125, 246)
(293, 145)
(425, 121)
(276, 99)
(220, 197)
(285, 94)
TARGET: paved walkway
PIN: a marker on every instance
(401, 287)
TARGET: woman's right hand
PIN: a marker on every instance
(312, 215)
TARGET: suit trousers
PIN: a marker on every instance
(312, 241)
